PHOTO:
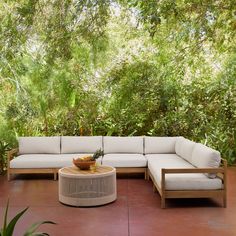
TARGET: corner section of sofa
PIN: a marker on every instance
(190, 171)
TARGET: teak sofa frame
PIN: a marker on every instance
(164, 193)
(54, 171)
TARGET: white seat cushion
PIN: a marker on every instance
(124, 160)
(80, 144)
(205, 157)
(36, 161)
(123, 144)
(179, 181)
(184, 148)
(45, 160)
(39, 145)
(159, 144)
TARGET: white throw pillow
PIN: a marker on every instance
(123, 144)
(39, 145)
(178, 145)
(156, 145)
(80, 144)
(184, 148)
(205, 157)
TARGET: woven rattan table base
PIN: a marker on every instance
(87, 188)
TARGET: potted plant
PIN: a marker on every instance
(8, 228)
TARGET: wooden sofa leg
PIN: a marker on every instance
(55, 175)
(146, 174)
(163, 202)
(224, 201)
(8, 176)
(147, 177)
(154, 188)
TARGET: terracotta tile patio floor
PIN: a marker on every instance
(136, 212)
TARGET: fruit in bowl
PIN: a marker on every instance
(82, 164)
(85, 162)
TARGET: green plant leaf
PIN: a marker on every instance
(39, 234)
(30, 231)
(3, 231)
(10, 227)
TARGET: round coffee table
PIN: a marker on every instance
(87, 187)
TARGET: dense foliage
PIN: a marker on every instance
(119, 67)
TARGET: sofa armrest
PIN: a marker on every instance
(220, 171)
(10, 156)
(12, 153)
(193, 170)
(210, 170)
(224, 163)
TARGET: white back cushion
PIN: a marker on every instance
(159, 145)
(80, 144)
(123, 144)
(39, 145)
(205, 157)
(184, 148)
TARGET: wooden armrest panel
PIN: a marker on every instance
(11, 153)
(224, 162)
(192, 170)
(212, 170)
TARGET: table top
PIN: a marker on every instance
(73, 170)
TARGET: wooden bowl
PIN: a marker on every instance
(83, 165)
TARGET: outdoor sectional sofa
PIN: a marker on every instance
(178, 167)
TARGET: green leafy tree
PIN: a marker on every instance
(119, 67)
